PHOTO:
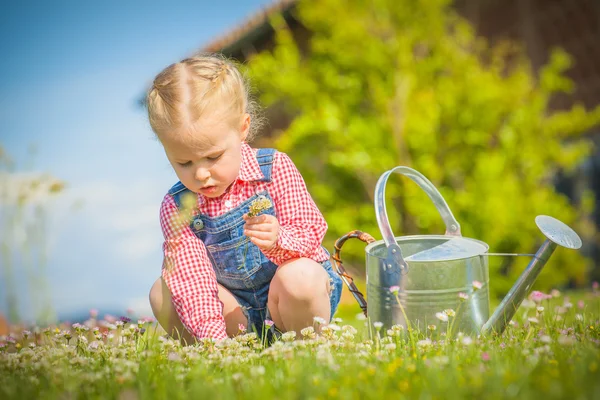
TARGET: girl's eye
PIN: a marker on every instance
(185, 164)
(214, 158)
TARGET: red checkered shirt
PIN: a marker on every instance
(190, 275)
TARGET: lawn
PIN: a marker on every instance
(551, 350)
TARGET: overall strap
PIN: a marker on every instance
(265, 159)
(177, 191)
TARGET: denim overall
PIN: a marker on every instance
(238, 263)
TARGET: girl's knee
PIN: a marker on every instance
(301, 279)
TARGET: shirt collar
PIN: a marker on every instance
(249, 168)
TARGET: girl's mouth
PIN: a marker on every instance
(208, 190)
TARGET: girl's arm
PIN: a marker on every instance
(188, 273)
(302, 226)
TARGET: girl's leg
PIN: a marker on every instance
(167, 317)
(299, 292)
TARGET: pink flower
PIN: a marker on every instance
(269, 323)
(595, 286)
(477, 285)
(463, 296)
(394, 289)
(242, 328)
(93, 313)
(485, 356)
(110, 318)
(538, 296)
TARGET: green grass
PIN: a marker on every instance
(557, 358)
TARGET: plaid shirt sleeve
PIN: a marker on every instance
(189, 275)
(302, 226)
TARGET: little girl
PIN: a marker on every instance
(225, 270)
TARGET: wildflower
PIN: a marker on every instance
(26, 334)
(579, 317)
(450, 312)
(319, 320)
(567, 304)
(288, 336)
(554, 293)
(327, 332)
(350, 329)
(257, 370)
(533, 320)
(537, 296)
(432, 327)
(485, 356)
(528, 303)
(390, 346)
(125, 320)
(566, 340)
(336, 320)
(258, 205)
(361, 317)
(242, 328)
(425, 343)
(378, 325)
(93, 313)
(394, 290)
(467, 340)
(442, 316)
(477, 285)
(581, 304)
(463, 296)
(94, 345)
(539, 310)
(545, 339)
(308, 332)
(269, 323)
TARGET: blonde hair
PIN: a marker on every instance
(185, 91)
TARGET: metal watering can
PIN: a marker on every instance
(427, 272)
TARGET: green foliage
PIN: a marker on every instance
(408, 83)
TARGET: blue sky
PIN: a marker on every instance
(69, 81)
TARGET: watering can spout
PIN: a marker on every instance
(557, 233)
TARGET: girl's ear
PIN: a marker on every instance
(245, 129)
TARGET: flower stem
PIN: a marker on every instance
(449, 332)
(403, 312)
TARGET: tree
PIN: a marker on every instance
(403, 82)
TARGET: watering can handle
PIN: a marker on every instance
(394, 253)
(337, 258)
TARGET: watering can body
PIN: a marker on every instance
(416, 277)
(428, 287)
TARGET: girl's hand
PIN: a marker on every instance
(262, 230)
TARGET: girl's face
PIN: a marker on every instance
(206, 157)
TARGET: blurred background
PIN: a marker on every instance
(496, 102)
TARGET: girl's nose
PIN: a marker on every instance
(202, 174)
